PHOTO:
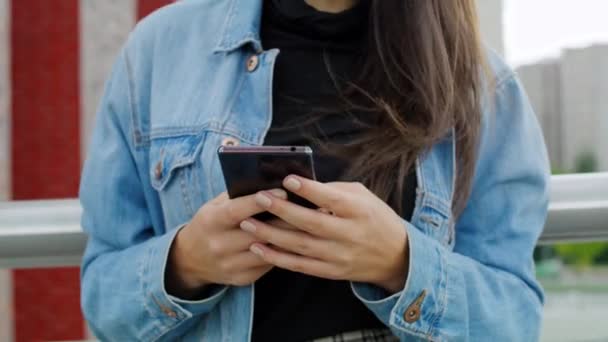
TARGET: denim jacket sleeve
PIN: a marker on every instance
(484, 289)
(123, 295)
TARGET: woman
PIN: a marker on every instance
(432, 178)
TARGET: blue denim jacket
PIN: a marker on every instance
(181, 86)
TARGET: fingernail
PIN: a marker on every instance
(280, 193)
(262, 200)
(256, 250)
(292, 184)
(248, 226)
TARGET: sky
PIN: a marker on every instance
(536, 29)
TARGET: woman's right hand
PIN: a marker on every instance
(212, 249)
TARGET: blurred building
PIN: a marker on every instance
(585, 104)
(490, 14)
(570, 97)
(543, 85)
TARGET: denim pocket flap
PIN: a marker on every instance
(167, 155)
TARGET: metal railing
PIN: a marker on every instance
(47, 233)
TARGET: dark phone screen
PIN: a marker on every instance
(246, 173)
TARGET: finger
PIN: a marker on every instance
(287, 240)
(236, 210)
(326, 211)
(309, 220)
(332, 198)
(220, 198)
(295, 263)
(250, 276)
(232, 241)
(241, 262)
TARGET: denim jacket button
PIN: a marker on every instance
(252, 63)
(158, 170)
(170, 313)
(412, 314)
(229, 141)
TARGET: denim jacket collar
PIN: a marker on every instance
(241, 27)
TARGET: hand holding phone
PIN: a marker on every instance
(248, 170)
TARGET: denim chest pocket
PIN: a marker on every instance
(434, 218)
(185, 172)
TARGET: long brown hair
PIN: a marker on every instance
(422, 76)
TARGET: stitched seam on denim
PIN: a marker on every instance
(442, 291)
(209, 172)
(211, 126)
(176, 131)
(225, 117)
(430, 220)
(505, 78)
(247, 138)
(250, 37)
(178, 163)
(435, 204)
(397, 324)
(157, 322)
(137, 134)
(179, 132)
(421, 176)
(144, 141)
(195, 175)
(187, 313)
(269, 114)
(184, 189)
(413, 332)
(160, 185)
(144, 290)
(419, 192)
(166, 325)
(175, 326)
(227, 23)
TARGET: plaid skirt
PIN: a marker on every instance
(375, 335)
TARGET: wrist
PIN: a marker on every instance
(394, 277)
(180, 276)
(392, 285)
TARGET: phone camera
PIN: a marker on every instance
(293, 149)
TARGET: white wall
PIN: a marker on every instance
(6, 309)
(104, 27)
(491, 23)
(4, 101)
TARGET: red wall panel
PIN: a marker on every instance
(145, 7)
(45, 152)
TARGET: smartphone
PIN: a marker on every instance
(248, 170)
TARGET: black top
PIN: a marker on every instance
(291, 306)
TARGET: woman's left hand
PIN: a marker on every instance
(355, 236)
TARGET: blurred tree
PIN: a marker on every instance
(602, 259)
(585, 163)
(582, 255)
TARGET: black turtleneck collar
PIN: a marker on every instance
(301, 19)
